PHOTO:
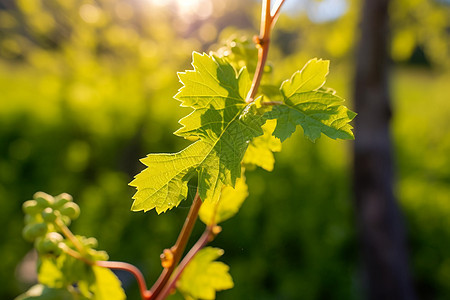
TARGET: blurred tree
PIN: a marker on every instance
(379, 220)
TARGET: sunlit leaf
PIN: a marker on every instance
(228, 205)
(311, 77)
(204, 276)
(261, 148)
(107, 285)
(50, 274)
(224, 125)
(315, 109)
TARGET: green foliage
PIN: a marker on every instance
(107, 286)
(317, 111)
(223, 126)
(42, 292)
(204, 276)
(63, 260)
(260, 149)
(223, 123)
(229, 204)
(66, 126)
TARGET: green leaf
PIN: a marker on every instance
(64, 271)
(42, 292)
(228, 205)
(50, 271)
(311, 77)
(261, 148)
(224, 125)
(216, 93)
(307, 104)
(203, 276)
(107, 286)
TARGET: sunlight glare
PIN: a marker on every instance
(202, 9)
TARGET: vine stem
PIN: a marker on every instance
(145, 293)
(69, 235)
(207, 236)
(118, 265)
(176, 251)
(163, 287)
(268, 20)
(179, 247)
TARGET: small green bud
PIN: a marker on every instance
(71, 210)
(31, 207)
(43, 200)
(100, 255)
(31, 219)
(49, 244)
(62, 199)
(49, 215)
(91, 242)
(66, 220)
(31, 231)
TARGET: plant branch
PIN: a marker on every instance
(207, 236)
(262, 41)
(69, 235)
(178, 249)
(117, 265)
(66, 249)
(145, 294)
(275, 12)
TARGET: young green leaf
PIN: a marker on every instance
(204, 276)
(228, 205)
(50, 273)
(215, 92)
(260, 150)
(107, 286)
(315, 109)
(224, 125)
(310, 78)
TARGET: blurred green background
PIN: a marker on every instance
(86, 90)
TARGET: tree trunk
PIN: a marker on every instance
(380, 225)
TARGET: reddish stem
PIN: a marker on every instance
(268, 20)
(117, 265)
(206, 237)
(179, 246)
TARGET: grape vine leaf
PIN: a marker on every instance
(223, 125)
(260, 150)
(50, 273)
(228, 205)
(107, 286)
(307, 104)
(204, 276)
(93, 282)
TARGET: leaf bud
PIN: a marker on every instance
(43, 199)
(66, 220)
(31, 207)
(62, 199)
(31, 231)
(49, 243)
(100, 255)
(48, 215)
(71, 210)
(91, 242)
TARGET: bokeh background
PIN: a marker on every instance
(86, 90)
